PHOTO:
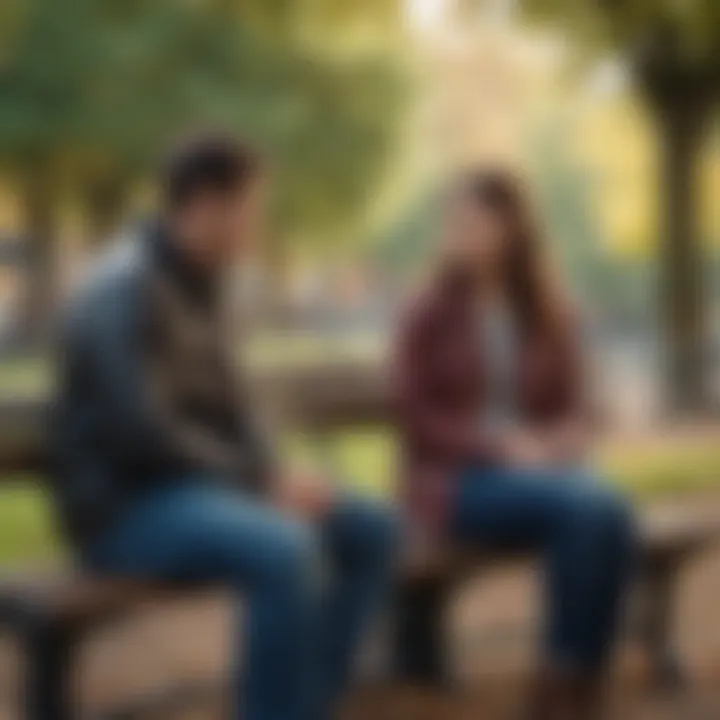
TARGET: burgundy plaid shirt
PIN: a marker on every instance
(439, 388)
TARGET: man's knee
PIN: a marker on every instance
(290, 558)
(372, 530)
(608, 512)
(384, 533)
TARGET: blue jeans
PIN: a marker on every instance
(586, 534)
(310, 589)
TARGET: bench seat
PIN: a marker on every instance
(51, 612)
(72, 597)
(665, 534)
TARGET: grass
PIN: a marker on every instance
(674, 468)
(24, 377)
(27, 532)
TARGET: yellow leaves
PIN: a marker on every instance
(616, 140)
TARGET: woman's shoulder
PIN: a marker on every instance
(422, 308)
(565, 327)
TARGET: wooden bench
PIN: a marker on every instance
(669, 539)
(51, 615)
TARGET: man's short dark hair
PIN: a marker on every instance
(211, 162)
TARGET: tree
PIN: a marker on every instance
(672, 49)
(91, 88)
(564, 191)
(37, 115)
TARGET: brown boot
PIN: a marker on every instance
(562, 695)
(586, 699)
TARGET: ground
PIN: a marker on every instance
(492, 641)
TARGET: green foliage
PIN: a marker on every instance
(689, 29)
(564, 192)
(411, 240)
(92, 87)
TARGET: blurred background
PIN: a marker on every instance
(365, 109)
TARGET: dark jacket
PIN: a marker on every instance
(147, 391)
(439, 388)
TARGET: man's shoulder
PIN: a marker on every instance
(112, 283)
(120, 265)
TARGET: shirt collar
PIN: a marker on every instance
(199, 283)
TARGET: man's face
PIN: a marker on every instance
(225, 228)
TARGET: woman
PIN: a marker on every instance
(493, 431)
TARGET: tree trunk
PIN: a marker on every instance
(40, 266)
(682, 281)
(105, 204)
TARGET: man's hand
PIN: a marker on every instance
(305, 495)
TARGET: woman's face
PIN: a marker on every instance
(476, 237)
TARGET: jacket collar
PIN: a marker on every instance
(197, 283)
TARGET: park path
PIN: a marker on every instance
(493, 626)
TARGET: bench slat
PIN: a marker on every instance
(73, 598)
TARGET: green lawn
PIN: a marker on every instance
(26, 526)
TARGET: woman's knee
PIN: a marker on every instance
(606, 511)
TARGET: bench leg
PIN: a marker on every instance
(418, 637)
(49, 652)
(658, 630)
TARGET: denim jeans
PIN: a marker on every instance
(310, 590)
(585, 533)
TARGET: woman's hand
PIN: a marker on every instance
(569, 440)
(564, 442)
(526, 448)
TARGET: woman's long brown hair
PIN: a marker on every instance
(539, 301)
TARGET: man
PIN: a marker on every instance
(161, 471)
